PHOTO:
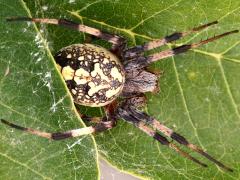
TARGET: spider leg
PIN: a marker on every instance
(131, 52)
(141, 62)
(123, 113)
(89, 119)
(107, 122)
(114, 39)
(182, 140)
(102, 126)
(109, 111)
(164, 141)
(92, 119)
(132, 114)
(139, 100)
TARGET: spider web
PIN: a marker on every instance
(199, 95)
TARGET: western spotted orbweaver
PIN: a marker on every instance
(117, 79)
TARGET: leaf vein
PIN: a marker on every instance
(185, 103)
(155, 14)
(229, 89)
(24, 165)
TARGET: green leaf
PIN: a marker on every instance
(199, 95)
(34, 95)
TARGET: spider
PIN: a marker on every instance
(117, 79)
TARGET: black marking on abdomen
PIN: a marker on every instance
(62, 61)
(71, 84)
(86, 88)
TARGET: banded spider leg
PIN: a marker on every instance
(139, 61)
(134, 51)
(117, 41)
(102, 124)
(129, 112)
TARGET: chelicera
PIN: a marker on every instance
(117, 79)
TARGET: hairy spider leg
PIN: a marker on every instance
(89, 119)
(123, 113)
(173, 135)
(134, 51)
(102, 126)
(102, 123)
(182, 140)
(114, 39)
(164, 141)
(142, 62)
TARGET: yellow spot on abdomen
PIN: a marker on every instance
(81, 72)
(94, 89)
(116, 74)
(98, 71)
(82, 76)
(113, 92)
(59, 67)
(67, 73)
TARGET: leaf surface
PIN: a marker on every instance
(34, 95)
(199, 95)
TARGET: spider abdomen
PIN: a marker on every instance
(94, 76)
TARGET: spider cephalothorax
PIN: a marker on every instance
(117, 80)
